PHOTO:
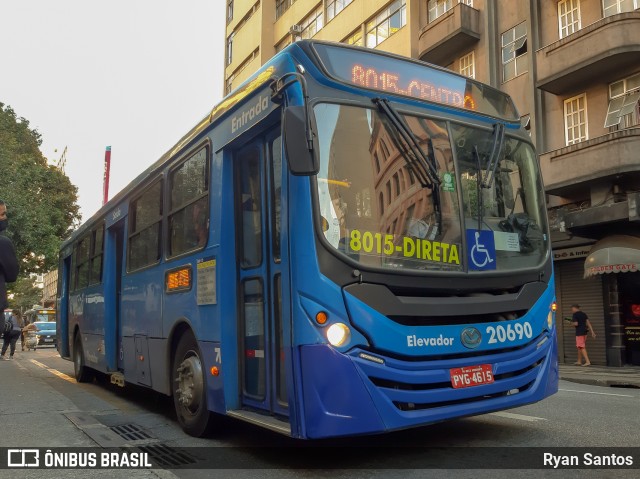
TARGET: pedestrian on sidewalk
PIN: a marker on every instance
(581, 322)
(11, 337)
(8, 262)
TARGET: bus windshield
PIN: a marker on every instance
(376, 209)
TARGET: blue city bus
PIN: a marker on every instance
(350, 243)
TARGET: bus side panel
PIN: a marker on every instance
(141, 314)
(211, 355)
(159, 365)
(93, 347)
(142, 303)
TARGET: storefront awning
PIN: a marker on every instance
(613, 254)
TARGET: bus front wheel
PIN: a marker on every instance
(189, 388)
(81, 371)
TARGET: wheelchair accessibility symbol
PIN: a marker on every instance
(481, 250)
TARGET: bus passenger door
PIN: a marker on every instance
(262, 268)
(62, 343)
(114, 245)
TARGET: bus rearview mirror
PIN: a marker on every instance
(302, 160)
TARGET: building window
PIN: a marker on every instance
(437, 8)
(514, 52)
(282, 6)
(283, 44)
(568, 17)
(467, 65)
(247, 61)
(355, 38)
(229, 10)
(336, 6)
(312, 24)
(624, 103)
(613, 7)
(230, 48)
(575, 119)
(386, 23)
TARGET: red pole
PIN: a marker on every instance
(107, 167)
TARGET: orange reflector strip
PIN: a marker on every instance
(179, 279)
(215, 371)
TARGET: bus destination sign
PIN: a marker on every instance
(394, 82)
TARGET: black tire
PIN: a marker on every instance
(81, 372)
(189, 388)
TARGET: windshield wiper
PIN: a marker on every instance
(486, 181)
(422, 164)
(498, 141)
(424, 167)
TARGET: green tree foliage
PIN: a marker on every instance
(25, 294)
(41, 201)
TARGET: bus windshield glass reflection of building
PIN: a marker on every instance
(378, 212)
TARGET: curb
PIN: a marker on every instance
(615, 383)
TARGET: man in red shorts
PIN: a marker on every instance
(582, 324)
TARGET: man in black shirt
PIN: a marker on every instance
(582, 324)
(8, 262)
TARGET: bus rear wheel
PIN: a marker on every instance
(189, 393)
(80, 370)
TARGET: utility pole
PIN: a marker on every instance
(107, 169)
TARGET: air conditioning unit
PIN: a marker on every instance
(295, 29)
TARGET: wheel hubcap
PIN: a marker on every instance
(189, 383)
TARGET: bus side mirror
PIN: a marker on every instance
(302, 160)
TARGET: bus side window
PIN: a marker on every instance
(189, 208)
(251, 207)
(145, 228)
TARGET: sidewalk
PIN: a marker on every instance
(626, 376)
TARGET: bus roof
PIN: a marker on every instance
(346, 64)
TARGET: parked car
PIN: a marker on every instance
(46, 332)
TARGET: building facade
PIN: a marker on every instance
(50, 289)
(573, 70)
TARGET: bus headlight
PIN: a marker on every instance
(338, 334)
(550, 320)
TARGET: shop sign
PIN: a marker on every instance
(633, 337)
(613, 268)
(571, 253)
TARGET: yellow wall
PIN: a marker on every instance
(245, 41)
